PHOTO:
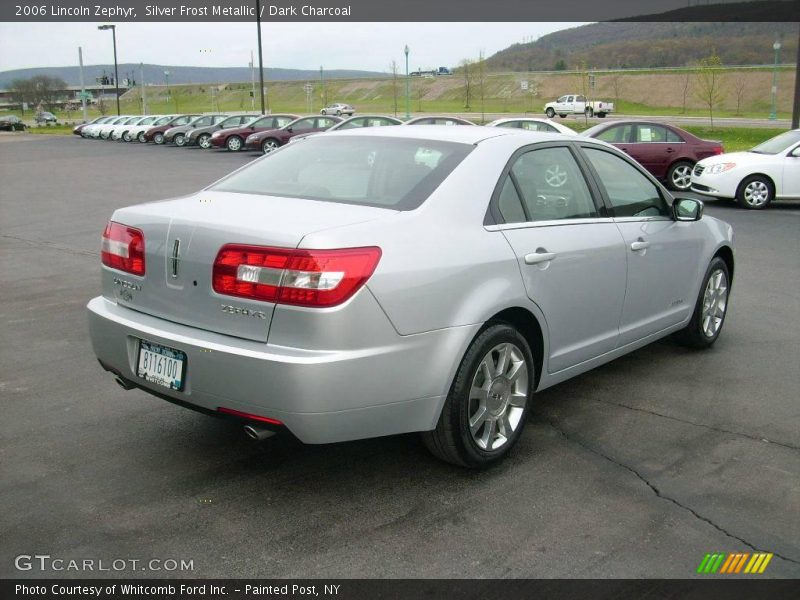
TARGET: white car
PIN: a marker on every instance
(104, 131)
(532, 124)
(121, 131)
(136, 132)
(754, 178)
(91, 129)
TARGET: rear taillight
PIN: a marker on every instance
(123, 248)
(719, 150)
(299, 277)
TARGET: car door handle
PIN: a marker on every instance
(670, 150)
(639, 245)
(535, 258)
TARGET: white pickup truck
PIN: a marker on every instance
(577, 105)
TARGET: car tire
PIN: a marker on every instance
(601, 115)
(589, 112)
(233, 143)
(679, 176)
(158, 138)
(710, 309)
(338, 113)
(755, 192)
(323, 112)
(270, 145)
(484, 413)
(179, 139)
(126, 137)
(204, 141)
(550, 113)
(562, 115)
(141, 138)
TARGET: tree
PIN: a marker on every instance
(394, 69)
(102, 107)
(685, 81)
(480, 68)
(709, 79)
(469, 76)
(739, 87)
(561, 65)
(22, 93)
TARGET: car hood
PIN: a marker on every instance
(737, 157)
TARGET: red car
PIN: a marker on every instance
(156, 134)
(272, 139)
(668, 152)
(234, 139)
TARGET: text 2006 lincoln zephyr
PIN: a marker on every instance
(380, 281)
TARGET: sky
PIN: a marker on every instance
(363, 46)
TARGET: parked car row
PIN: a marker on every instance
(676, 157)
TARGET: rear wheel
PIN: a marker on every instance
(679, 176)
(234, 143)
(270, 145)
(562, 115)
(550, 113)
(204, 141)
(484, 413)
(755, 192)
(710, 308)
(158, 138)
(601, 115)
(179, 139)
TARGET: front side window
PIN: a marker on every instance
(562, 99)
(322, 122)
(630, 193)
(551, 186)
(202, 122)
(303, 124)
(396, 173)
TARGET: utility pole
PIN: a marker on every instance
(322, 84)
(252, 83)
(260, 55)
(83, 87)
(144, 96)
(796, 109)
(113, 29)
(408, 99)
(774, 113)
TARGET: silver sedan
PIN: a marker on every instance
(386, 280)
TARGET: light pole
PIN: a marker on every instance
(169, 91)
(774, 114)
(113, 29)
(408, 98)
(260, 55)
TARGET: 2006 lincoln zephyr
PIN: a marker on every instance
(388, 280)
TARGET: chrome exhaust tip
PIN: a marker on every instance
(258, 433)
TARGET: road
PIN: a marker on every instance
(636, 469)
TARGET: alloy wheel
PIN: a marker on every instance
(179, 139)
(269, 146)
(682, 177)
(204, 141)
(715, 303)
(498, 396)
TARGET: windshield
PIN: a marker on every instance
(163, 121)
(395, 173)
(779, 143)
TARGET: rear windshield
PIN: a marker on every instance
(395, 173)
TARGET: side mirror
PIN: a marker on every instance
(290, 130)
(687, 209)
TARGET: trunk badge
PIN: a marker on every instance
(175, 260)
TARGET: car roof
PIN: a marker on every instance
(443, 133)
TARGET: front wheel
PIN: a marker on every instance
(755, 192)
(679, 176)
(550, 113)
(485, 411)
(179, 139)
(270, 145)
(324, 112)
(204, 141)
(710, 308)
(141, 138)
(234, 143)
(562, 115)
(158, 138)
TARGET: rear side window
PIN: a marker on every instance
(552, 185)
(630, 193)
(394, 173)
(673, 137)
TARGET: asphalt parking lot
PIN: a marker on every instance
(636, 469)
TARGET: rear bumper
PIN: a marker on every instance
(321, 396)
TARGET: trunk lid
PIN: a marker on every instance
(193, 229)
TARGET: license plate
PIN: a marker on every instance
(161, 365)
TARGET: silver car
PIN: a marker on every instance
(385, 280)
